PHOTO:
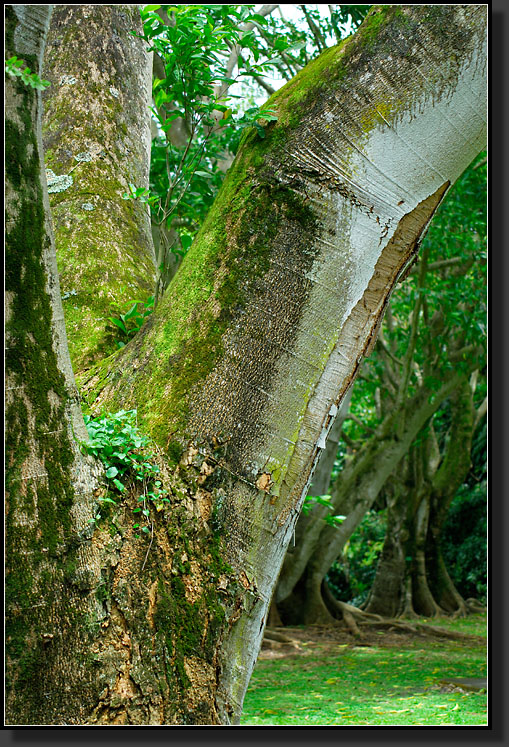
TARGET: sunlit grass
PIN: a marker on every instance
(372, 686)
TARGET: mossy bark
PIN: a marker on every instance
(96, 129)
(49, 483)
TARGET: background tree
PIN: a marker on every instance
(96, 142)
(234, 340)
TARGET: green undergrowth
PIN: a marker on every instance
(377, 685)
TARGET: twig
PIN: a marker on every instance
(151, 540)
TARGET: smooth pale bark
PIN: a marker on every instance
(50, 559)
(96, 129)
(258, 337)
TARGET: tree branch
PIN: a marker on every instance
(317, 35)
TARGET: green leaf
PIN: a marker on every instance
(112, 472)
(118, 323)
(132, 312)
(107, 500)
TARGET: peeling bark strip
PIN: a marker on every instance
(96, 129)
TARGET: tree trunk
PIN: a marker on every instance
(96, 130)
(444, 485)
(387, 594)
(245, 361)
(51, 562)
(419, 514)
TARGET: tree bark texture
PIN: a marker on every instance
(262, 330)
(243, 365)
(96, 128)
(50, 485)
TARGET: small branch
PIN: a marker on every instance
(480, 412)
(481, 163)
(318, 37)
(151, 540)
(385, 348)
(360, 424)
(334, 25)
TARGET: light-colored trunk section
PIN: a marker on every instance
(262, 330)
(96, 128)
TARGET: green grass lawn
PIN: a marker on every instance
(345, 685)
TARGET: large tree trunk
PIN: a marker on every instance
(248, 355)
(263, 327)
(51, 562)
(96, 129)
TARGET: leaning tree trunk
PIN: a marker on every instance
(96, 129)
(258, 337)
(247, 357)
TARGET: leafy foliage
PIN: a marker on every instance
(322, 500)
(132, 321)
(126, 456)
(194, 46)
(204, 50)
(13, 67)
(351, 577)
(464, 539)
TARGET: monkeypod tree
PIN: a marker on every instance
(239, 372)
